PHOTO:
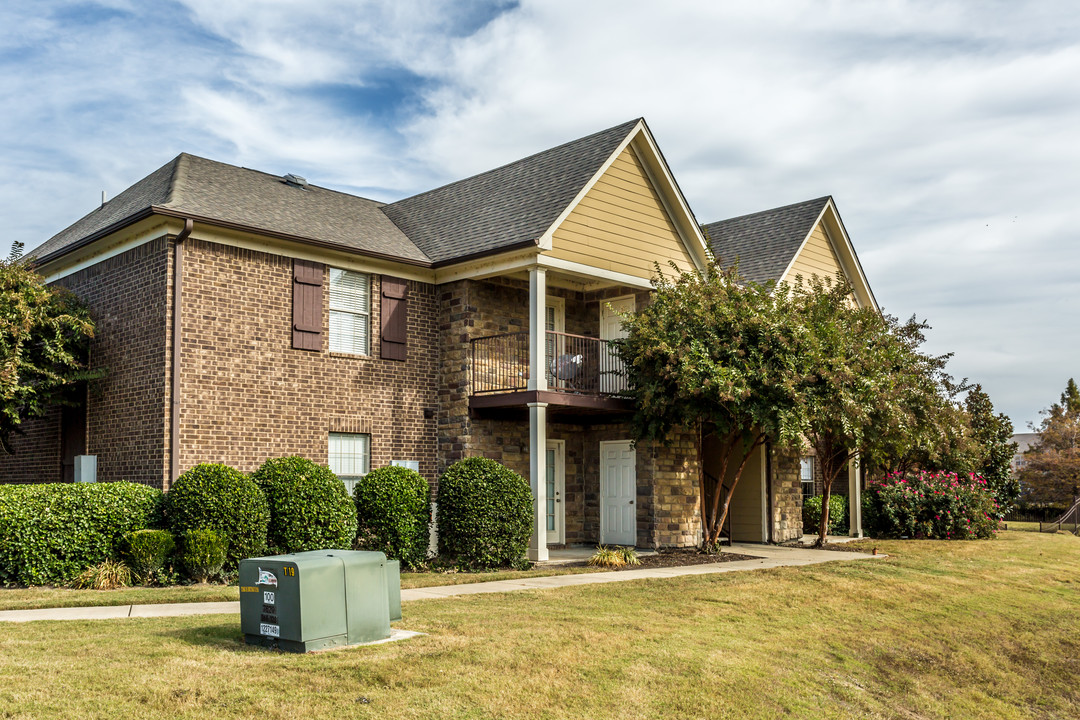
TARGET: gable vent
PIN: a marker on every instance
(296, 181)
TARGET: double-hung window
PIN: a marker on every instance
(350, 457)
(806, 474)
(350, 312)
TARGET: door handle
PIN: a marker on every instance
(631, 502)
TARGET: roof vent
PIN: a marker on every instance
(296, 181)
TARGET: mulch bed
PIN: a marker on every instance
(684, 556)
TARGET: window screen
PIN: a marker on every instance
(350, 457)
(806, 474)
(350, 312)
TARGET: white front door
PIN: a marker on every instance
(611, 377)
(556, 489)
(618, 493)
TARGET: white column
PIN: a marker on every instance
(538, 413)
(538, 551)
(854, 499)
(537, 332)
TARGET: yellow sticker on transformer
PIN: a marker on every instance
(248, 588)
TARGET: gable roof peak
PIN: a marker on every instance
(511, 205)
(765, 242)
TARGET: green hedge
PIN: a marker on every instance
(145, 551)
(217, 497)
(484, 514)
(202, 553)
(309, 506)
(50, 533)
(838, 514)
(393, 510)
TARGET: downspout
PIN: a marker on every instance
(174, 395)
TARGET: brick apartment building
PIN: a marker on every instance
(242, 315)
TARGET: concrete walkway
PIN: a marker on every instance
(766, 556)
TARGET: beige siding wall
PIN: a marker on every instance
(817, 258)
(747, 510)
(621, 225)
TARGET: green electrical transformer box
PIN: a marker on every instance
(319, 599)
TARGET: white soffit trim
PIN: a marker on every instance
(488, 266)
(588, 272)
(110, 246)
(344, 259)
(697, 238)
(545, 240)
(802, 245)
(845, 252)
(848, 251)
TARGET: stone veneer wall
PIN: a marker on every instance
(667, 509)
(126, 409)
(786, 496)
(248, 395)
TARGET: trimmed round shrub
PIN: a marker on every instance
(393, 511)
(838, 514)
(202, 553)
(484, 514)
(50, 533)
(220, 498)
(309, 506)
(145, 551)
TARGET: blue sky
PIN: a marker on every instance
(948, 132)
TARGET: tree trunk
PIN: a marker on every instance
(832, 462)
(717, 523)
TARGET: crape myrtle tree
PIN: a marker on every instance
(866, 387)
(713, 353)
(44, 341)
(991, 434)
(1051, 473)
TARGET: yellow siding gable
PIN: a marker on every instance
(621, 225)
(816, 258)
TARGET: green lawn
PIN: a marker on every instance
(960, 629)
(1022, 526)
(45, 597)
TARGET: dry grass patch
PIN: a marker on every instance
(962, 629)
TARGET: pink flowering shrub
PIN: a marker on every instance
(938, 505)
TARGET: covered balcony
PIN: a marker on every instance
(580, 372)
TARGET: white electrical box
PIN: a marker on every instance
(85, 468)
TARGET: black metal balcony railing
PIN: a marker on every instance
(573, 363)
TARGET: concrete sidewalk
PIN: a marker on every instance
(766, 556)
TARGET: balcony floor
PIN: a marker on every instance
(522, 398)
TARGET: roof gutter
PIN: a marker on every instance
(174, 393)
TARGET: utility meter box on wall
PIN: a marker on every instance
(319, 599)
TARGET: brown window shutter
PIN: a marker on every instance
(307, 305)
(395, 318)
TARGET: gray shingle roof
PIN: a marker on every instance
(764, 242)
(192, 185)
(513, 204)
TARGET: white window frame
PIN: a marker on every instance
(349, 476)
(802, 466)
(336, 338)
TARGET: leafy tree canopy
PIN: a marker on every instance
(713, 353)
(1052, 470)
(866, 385)
(44, 340)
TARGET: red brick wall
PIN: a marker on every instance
(247, 395)
(127, 297)
(36, 455)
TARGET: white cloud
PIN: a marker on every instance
(947, 131)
